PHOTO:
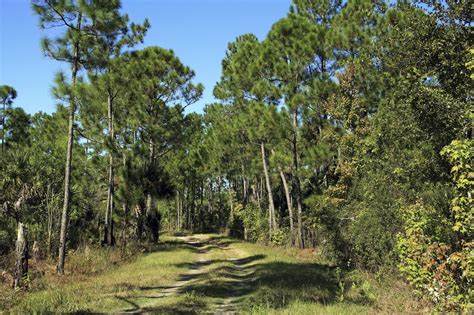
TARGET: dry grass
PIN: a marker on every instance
(96, 278)
(250, 278)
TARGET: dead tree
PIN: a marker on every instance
(14, 209)
(21, 266)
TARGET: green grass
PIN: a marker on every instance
(289, 284)
(110, 291)
(223, 274)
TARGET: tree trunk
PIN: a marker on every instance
(220, 204)
(49, 208)
(68, 167)
(125, 209)
(201, 208)
(185, 214)
(105, 241)
(21, 266)
(192, 213)
(177, 211)
(209, 202)
(244, 187)
(296, 180)
(271, 207)
(109, 238)
(256, 194)
(151, 164)
(288, 202)
(36, 251)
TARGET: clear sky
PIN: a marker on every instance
(197, 30)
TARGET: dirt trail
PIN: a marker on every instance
(196, 269)
(241, 287)
(237, 270)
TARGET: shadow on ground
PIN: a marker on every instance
(251, 280)
(192, 244)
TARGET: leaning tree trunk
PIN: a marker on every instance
(21, 266)
(271, 205)
(288, 202)
(296, 180)
(109, 238)
(68, 167)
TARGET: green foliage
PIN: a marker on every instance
(254, 222)
(431, 263)
(460, 154)
(280, 237)
(436, 248)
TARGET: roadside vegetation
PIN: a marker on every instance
(258, 279)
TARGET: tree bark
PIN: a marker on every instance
(288, 199)
(151, 164)
(288, 202)
(244, 187)
(68, 166)
(49, 208)
(36, 251)
(109, 238)
(192, 212)
(201, 208)
(125, 209)
(271, 206)
(21, 266)
(177, 211)
(296, 180)
(255, 189)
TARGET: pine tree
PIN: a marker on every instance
(86, 26)
(289, 50)
(164, 89)
(7, 95)
(110, 81)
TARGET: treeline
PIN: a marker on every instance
(348, 128)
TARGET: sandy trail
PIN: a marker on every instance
(238, 270)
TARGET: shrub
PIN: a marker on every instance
(437, 247)
(253, 221)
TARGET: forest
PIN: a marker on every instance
(346, 134)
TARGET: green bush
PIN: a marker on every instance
(281, 237)
(254, 221)
(437, 247)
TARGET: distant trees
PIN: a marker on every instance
(7, 95)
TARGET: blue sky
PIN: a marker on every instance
(197, 30)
